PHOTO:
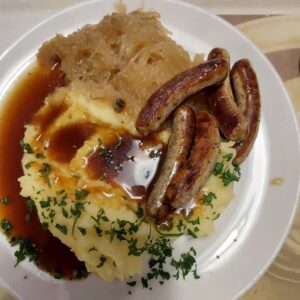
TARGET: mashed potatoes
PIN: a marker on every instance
(87, 169)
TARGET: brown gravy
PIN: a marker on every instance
(26, 98)
(127, 163)
(67, 140)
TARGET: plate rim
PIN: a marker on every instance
(291, 109)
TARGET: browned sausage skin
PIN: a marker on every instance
(199, 166)
(231, 120)
(171, 94)
(246, 91)
(178, 150)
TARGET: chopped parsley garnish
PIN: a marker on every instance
(81, 194)
(218, 168)
(30, 205)
(102, 261)
(45, 203)
(191, 233)
(26, 249)
(80, 273)
(106, 153)
(186, 264)
(28, 165)
(45, 171)
(58, 274)
(102, 177)
(82, 230)
(64, 212)
(40, 155)
(76, 212)
(140, 212)
(6, 226)
(207, 199)
(100, 216)
(155, 153)
(131, 283)
(227, 175)
(62, 228)
(228, 157)
(26, 147)
(195, 222)
(5, 200)
(45, 225)
(180, 226)
(98, 230)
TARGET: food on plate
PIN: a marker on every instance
(247, 94)
(222, 105)
(119, 160)
(179, 146)
(199, 166)
(172, 93)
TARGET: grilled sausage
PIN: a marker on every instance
(246, 91)
(178, 150)
(199, 166)
(171, 94)
(231, 120)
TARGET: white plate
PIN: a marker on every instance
(260, 215)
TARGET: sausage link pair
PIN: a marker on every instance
(199, 166)
(229, 115)
(236, 105)
(246, 91)
(171, 94)
(178, 150)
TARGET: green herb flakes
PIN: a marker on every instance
(30, 205)
(131, 283)
(58, 274)
(81, 194)
(5, 200)
(82, 230)
(186, 264)
(102, 261)
(45, 203)
(207, 199)
(62, 228)
(45, 171)
(6, 226)
(45, 225)
(26, 147)
(26, 249)
(64, 212)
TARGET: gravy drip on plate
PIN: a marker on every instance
(128, 162)
(23, 102)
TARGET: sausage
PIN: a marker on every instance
(178, 150)
(199, 166)
(246, 91)
(231, 120)
(172, 93)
